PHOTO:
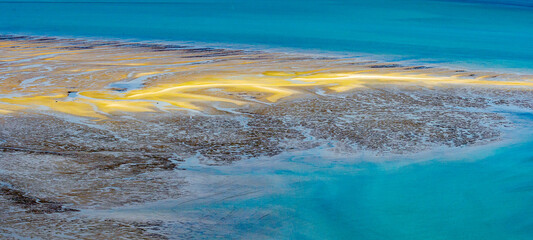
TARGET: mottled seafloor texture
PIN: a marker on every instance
(91, 126)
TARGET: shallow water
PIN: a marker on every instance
(482, 193)
(486, 34)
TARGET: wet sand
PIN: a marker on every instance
(102, 124)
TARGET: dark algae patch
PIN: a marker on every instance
(33, 204)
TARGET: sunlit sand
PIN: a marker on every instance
(38, 76)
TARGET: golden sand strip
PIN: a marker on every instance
(110, 78)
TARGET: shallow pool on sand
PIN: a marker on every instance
(481, 193)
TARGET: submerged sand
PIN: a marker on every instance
(102, 124)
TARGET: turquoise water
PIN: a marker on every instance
(486, 199)
(482, 193)
(481, 33)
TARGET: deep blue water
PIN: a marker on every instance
(482, 33)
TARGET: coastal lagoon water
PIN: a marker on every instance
(479, 193)
(480, 34)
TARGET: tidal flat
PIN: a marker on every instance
(109, 138)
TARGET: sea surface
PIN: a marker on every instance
(494, 34)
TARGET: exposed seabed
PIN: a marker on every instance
(155, 141)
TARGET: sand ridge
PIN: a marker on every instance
(110, 78)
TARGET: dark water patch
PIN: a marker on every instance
(417, 67)
(198, 50)
(362, 63)
(211, 52)
(151, 46)
(162, 48)
(386, 66)
(43, 39)
(126, 86)
(72, 94)
(14, 37)
(117, 89)
(298, 58)
(27, 38)
(77, 48)
(222, 54)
